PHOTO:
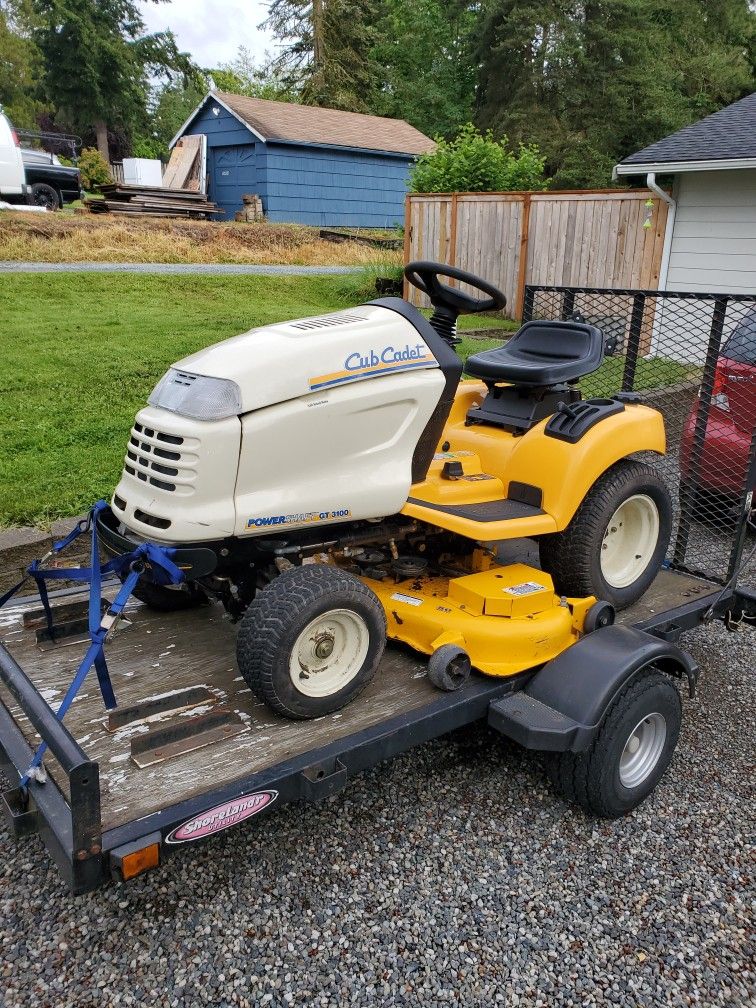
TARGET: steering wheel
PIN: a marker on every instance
(425, 276)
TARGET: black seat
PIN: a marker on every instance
(541, 354)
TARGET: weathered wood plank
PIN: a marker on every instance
(580, 239)
(164, 654)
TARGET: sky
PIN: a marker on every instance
(211, 31)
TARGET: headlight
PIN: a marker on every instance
(197, 396)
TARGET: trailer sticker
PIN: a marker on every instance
(221, 817)
(409, 599)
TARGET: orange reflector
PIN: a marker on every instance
(138, 862)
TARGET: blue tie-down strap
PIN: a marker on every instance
(129, 567)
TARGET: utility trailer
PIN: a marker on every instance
(189, 752)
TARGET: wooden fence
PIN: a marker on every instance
(597, 238)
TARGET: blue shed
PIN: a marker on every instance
(309, 165)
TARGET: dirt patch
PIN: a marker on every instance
(64, 238)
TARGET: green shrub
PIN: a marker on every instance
(94, 169)
(476, 162)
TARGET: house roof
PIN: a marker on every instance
(285, 121)
(725, 139)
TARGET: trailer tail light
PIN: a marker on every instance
(134, 859)
(14, 137)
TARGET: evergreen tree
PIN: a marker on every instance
(327, 56)
(425, 49)
(98, 63)
(19, 64)
(590, 82)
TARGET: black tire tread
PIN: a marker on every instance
(37, 186)
(566, 555)
(268, 616)
(576, 776)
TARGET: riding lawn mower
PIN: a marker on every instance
(333, 483)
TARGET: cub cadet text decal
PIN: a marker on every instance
(298, 519)
(366, 364)
(221, 817)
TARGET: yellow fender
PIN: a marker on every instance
(563, 472)
(566, 472)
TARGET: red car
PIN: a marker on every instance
(732, 418)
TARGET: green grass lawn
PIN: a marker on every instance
(81, 353)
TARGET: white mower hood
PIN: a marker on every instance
(289, 360)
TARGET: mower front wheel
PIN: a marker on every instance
(311, 641)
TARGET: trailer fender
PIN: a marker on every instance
(563, 705)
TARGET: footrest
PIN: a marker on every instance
(533, 724)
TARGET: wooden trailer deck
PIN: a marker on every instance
(159, 656)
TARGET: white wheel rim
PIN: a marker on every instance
(329, 653)
(642, 750)
(629, 541)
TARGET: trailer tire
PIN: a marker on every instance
(630, 753)
(313, 613)
(161, 598)
(577, 559)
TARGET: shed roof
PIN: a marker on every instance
(285, 121)
(728, 135)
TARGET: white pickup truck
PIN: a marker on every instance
(13, 187)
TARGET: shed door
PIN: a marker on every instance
(232, 174)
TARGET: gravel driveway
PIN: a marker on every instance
(449, 876)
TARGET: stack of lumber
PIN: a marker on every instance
(133, 199)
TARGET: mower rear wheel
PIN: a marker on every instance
(311, 641)
(615, 545)
(631, 752)
(162, 598)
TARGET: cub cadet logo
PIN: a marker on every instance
(358, 362)
(366, 364)
(298, 519)
(221, 817)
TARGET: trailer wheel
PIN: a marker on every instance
(630, 754)
(311, 641)
(161, 598)
(449, 667)
(615, 545)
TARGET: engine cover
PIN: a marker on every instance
(332, 409)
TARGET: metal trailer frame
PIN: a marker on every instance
(71, 829)
(87, 857)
